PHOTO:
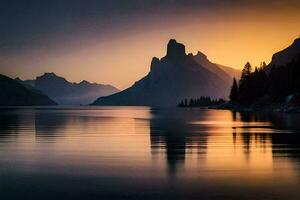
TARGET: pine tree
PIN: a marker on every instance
(263, 65)
(246, 85)
(247, 70)
(234, 91)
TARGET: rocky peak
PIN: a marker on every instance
(175, 50)
(84, 82)
(202, 59)
(49, 74)
(154, 62)
(46, 77)
(201, 55)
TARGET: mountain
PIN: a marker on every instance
(224, 72)
(29, 82)
(171, 79)
(67, 93)
(28, 85)
(285, 56)
(13, 93)
(232, 72)
(227, 76)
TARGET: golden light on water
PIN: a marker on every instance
(185, 148)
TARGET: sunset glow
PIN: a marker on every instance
(105, 51)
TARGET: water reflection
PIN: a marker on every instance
(48, 126)
(172, 134)
(166, 153)
(285, 141)
(226, 141)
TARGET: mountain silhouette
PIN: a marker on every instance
(171, 79)
(232, 72)
(67, 93)
(225, 73)
(13, 93)
(285, 56)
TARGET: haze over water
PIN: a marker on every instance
(147, 153)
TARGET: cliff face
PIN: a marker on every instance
(171, 79)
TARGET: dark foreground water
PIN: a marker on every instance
(144, 153)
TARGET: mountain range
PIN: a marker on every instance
(13, 93)
(66, 93)
(173, 78)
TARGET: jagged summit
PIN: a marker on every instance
(201, 55)
(171, 79)
(49, 78)
(154, 62)
(175, 50)
(49, 74)
(84, 82)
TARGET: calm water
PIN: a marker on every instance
(144, 153)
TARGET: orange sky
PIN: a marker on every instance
(122, 54)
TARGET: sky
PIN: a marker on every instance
(113, 41)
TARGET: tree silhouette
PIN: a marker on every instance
(200, 102)
(246, 72)
(234, 91)
(259, 88)
(245, 85)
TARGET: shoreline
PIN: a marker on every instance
(254, 108)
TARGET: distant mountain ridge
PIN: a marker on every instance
(67, 93)
(13, 93)
(171, 79)
(232, 72)
(224, 72)
(214, 68)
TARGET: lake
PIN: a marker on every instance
(148, 153)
